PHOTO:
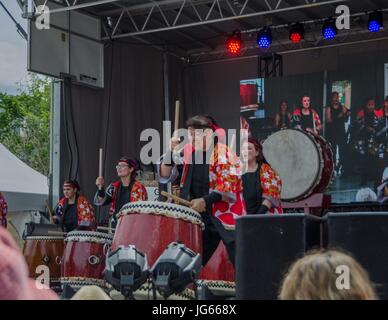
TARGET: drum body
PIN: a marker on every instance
(46, 251)
(84, 257)
(249, 96)
(151, 226)
(218, 274)
(303, 161)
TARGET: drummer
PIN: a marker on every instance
(3, 211)
(307, 118)
(283, 117)
(262, 185)
(74, 211)
(367, 124)
(211, 184)
(126, 189)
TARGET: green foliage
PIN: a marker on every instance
(25, 122)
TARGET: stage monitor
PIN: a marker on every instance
(70, 46)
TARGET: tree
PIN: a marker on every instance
(25, 122)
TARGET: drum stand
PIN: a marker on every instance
(315, 204)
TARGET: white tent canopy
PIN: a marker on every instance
(24, 188)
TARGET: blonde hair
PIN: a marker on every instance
(314, 277)
(91, 293)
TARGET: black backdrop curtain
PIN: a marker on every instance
(113, 117)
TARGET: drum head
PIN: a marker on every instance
(296, 158)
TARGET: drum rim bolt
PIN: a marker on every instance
(46, 259)
(93, 260)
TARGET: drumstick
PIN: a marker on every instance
(176, 124)
(56, 233)
(106, 229)
(100, 164)
(232, 142)
(176, 198)
(49, 212)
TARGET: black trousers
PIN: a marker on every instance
(212, 235)
(370, 170)
(338, 139)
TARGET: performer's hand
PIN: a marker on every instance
(198, 205)
(310, 130)
(100, 182)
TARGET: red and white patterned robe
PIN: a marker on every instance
(271, 186)
(85, 211)
(316, 120)
(225, 179)
(138, 193)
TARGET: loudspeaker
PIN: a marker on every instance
(365, 236)
(266, 245)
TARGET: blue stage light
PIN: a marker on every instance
(329, 29)
(375, 22)
(264, 38)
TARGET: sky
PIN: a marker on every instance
(13, 48)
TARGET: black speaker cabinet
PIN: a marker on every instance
(365, 236)
(266, 245)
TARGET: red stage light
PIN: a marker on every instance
(234, 44)
(296, 37)
(296, 32)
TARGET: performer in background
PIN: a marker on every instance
(74, 210)
(283, 118)
(211, 179)
(382, 135)
(3, 211)
(382, 190)
(366, 144)
(336, 116)
(307, 118)
(126, 189)
(261, 184)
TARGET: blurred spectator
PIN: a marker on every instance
(14, 281)
(91, 293)
(315, 277)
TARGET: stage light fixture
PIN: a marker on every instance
(234, 43)
(375, 22)
(296, 32)
(329, 29)
(176, 268)
(126, 270)
(264, 38)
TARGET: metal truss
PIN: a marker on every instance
(214, 14)
(283, 46)
(139, 19)
(68, 5)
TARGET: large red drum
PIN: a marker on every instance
(83, 261)
(248, 96)
(303, 161)
(44, 251)
(151, 226)
(218, 274)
